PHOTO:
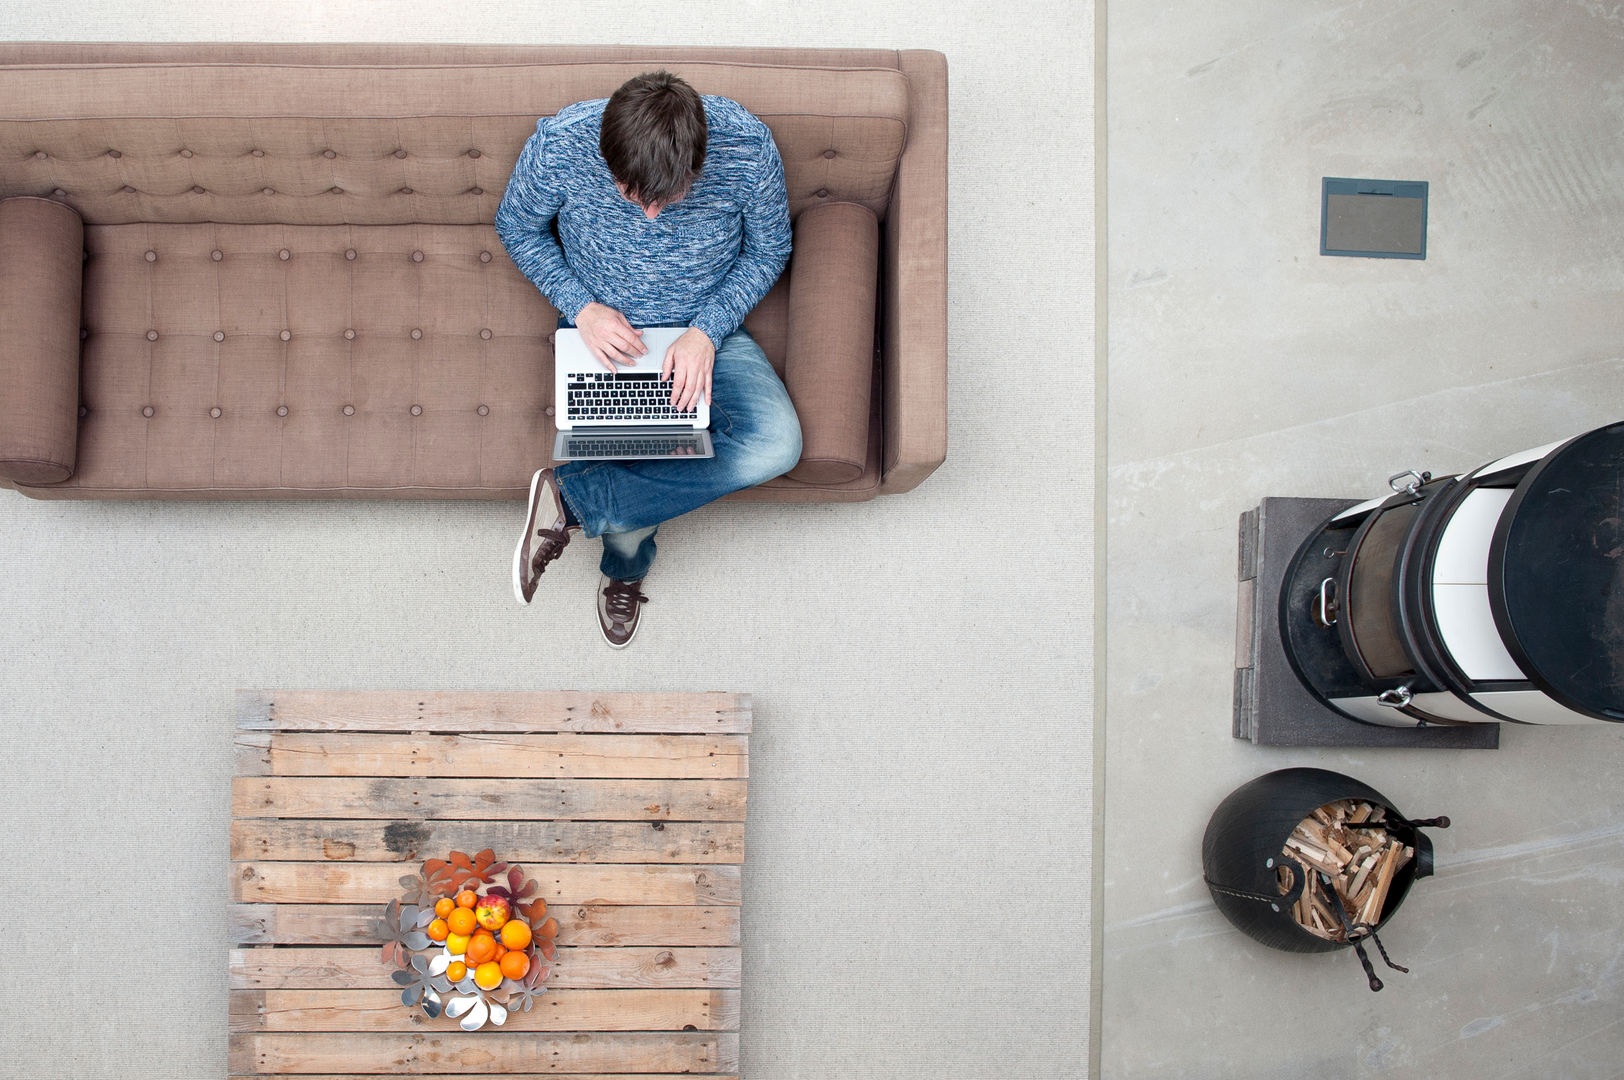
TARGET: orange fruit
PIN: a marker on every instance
(462, 921)
(444, 906)
(515, 934)
(457, 972)
(438, 930)
(467, 898)
(488, 976)
(501, 951)
(515, 965)
(549, 928)
(456, 943)
(481, 949)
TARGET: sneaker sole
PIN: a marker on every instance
(519, 566)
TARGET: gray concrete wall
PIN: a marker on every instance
(1243, 364)
(918, 860)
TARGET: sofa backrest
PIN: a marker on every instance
(327, 136)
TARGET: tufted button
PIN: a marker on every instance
(549, 410)
(41, 155)
(281, 410)
(59, 193)
(822, 193)
(417, 410)
(485, 334)
(185, 153)
(405, 191)
(152, 256)
(284, 254)
(349, 253)
(152, 335)
(329, 154)
(476, 191)
(83, 412)
(147, 411)
(258, 153)
(335, 191)
(484, 256)
(197, 189)
(219, 335)
(417, 335)
(215, 412)
(217, 254)
(127, 189)
(349, 335)
(286, 335)
(828, 153)
(267, 191)
(483, 410)
(417, 256)
(473, 153)
(400, 153)
(349, 410)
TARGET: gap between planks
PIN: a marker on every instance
(492, 711)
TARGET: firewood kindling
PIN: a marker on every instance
(1349, 842)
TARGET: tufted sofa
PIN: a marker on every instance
(255, 271)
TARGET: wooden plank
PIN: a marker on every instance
(552, 756)
(510, 711)
(579, 924)
(517, 841)
(563, 883)
(358, 968)
(557, 1010)
(487, 800)
(447, 1076)
(483, 1052)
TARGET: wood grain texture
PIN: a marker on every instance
(529, 756)
(526, 842)
(561, 883)
(483, 1052)
(646, 968)
(557, 1010)
(463, 1076)
(494, 711)
(580, 924)
(433, 798)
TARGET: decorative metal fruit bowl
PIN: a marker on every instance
(469, 938)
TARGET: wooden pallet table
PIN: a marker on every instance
(627, 809)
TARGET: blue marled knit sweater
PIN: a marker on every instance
(704, 261)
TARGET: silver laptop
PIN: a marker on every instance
(626, 414)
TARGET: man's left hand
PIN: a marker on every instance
(688, 364)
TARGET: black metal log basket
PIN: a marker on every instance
(1241, 854)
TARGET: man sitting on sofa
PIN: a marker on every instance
(671, 209)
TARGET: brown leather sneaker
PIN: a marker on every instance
(545, 535)
(620, 606)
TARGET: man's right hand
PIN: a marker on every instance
(610, 337)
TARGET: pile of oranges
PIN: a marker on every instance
(488, 937)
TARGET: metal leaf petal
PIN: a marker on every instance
(409, 881)
(468, 986)
(459, 1005)
(439, 963)
(403, 978)
(420, 963)
(412, 994)
(416, 940)
(441, 984)
(431, 1005)
(425, 917)
(408, 916)
(498, 890)
(476, 1016)
(498, 1014)
(515, 878)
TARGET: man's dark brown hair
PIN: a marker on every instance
(654, 137)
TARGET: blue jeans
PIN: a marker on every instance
(756, 435)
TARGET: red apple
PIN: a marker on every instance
(492, 911)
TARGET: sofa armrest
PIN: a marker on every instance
(41, 279)
(914, 350)
(829, 348)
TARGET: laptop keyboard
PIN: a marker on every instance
(610, 447)
(600, 395)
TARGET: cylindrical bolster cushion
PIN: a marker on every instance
(829, 353)
(41, 278)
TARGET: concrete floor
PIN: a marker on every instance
(1244, 364)
(918, 845)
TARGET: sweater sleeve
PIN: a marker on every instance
(762, 253)
(524, 221)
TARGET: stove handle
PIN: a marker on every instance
(1396, 698)
(1327, 604)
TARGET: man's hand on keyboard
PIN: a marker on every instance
(610, 337)
(688, 364)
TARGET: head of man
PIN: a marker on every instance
(653, 139)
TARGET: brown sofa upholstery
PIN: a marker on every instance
(291, 286)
